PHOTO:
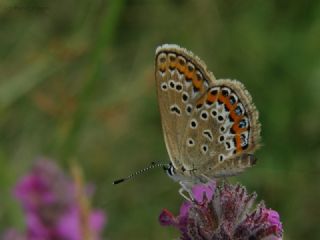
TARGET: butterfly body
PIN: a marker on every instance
(210, 126)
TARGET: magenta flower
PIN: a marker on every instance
(12, 234)
(52, 207)
(223, 213)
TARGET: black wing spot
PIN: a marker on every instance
(208, 134)
(214, 92)
(199, 105)
(204, 115)
(196, 89)
(178, 87)
(199, 76)
(164, 86)
(182, 61)
(189, 108)
(190, 142)
(245, 147)
(162, 59)
(242, 123)
(172, 58)
(238, 111)
(204, 148)
(193, 123)
(225, 92)
(214, 113)
(220, 118)
(190, 68)
(208, 102)
(175, 109)
(188, 79)
(185, 97)
(232, 100)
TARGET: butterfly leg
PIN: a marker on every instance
(182, 193)
(186, 188)
(206, 178)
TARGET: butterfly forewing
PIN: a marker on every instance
(180, 83)
(209, 125)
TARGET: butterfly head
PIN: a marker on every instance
(183, 175)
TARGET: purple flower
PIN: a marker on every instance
(223, 212)
(12, 234)
(52, 206)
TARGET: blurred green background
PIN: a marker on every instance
(77, 82)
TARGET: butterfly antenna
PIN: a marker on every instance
(151, 166)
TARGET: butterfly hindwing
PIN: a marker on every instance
(226, 128)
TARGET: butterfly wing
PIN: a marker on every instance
(210, 126)
(181, 79)
(225, 130)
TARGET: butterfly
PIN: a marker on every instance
(210, 127)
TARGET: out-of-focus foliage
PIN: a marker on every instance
(77, 83)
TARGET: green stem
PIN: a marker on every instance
(107, 32)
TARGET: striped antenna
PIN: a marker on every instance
(152, 166)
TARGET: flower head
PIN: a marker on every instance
(223, 212)
(52, 206)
